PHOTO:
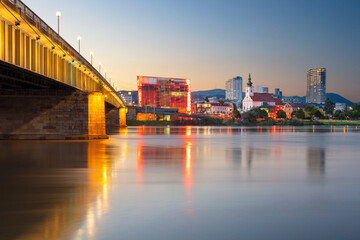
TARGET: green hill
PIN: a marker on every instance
(220, 93)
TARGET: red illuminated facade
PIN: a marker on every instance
(165, 93)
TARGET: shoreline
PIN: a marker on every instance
(230, 122)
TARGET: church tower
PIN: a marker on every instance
(249, 88)
(248, 103)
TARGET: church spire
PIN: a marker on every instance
(249, 82)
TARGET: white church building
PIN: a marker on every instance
(253, 100)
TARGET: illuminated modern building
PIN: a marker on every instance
(316, 86)
(234, 88)
(165, 93)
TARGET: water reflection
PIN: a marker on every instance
(177, 178)
(316, 161)
(45, 191)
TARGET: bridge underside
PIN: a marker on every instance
(13, 77)
(33, 106)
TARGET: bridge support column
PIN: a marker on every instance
(38, 114)
(122, 116)
(115, 117)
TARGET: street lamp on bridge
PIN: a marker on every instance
(105, 74)
(91, 56)
(79, 40)
(58, 14)
(100, 67)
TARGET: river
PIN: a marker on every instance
(185, 183)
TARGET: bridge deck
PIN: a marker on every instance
(30, 44)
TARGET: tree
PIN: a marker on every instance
(221, 101)
(250, 116)
(318, 114)
(329, 106)
(353, 114)
(313, 111)
(263, 114)
(206, 99)
(310, 110)
(235, 114)
(339, 115)
(356, 107)
(300, 114)
(281, 114)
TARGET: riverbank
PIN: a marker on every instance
(231, 122)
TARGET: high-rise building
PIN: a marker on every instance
(276, 92)
(234, 88)
(261, 89)
(165, 93)
(316, 86)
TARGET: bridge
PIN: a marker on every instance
(48, 90)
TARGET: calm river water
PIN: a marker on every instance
(184, 183)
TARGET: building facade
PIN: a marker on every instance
(316, 86)
(259, 89)
(165, 93)
(234, 88)
(214, 108)
(126, 96)
(340, 106)
(252, 100)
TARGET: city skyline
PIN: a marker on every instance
(210, 42)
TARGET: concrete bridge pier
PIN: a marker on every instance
(48, 114)
(115, 116)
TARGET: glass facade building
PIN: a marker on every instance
(164, 93)
(316, 86)
(234, 89)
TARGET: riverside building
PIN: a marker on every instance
(234, 88)
(159, 92)
(316, 86)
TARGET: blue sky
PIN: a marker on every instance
(210, 41)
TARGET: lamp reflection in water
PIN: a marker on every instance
(188, 178)
(139, 163)
(99, 179)
(188, 130)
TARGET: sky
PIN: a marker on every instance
(210, 41)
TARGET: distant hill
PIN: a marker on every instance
(340, 99)
(220, 93)
(299, 99)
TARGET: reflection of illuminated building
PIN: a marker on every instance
(165, 93)
(316, 160)
(235, 154)
(249, 157)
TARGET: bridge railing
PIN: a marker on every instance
(55, 39)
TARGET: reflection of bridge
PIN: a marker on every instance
(47, 89)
